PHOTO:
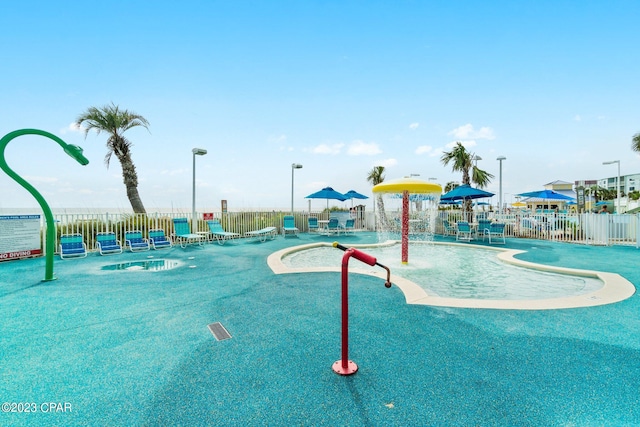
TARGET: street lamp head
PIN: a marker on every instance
(199, 151)
(296, 166)
(611, 162)
(501, 158)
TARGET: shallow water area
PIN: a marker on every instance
(148, 265)
(453, 271)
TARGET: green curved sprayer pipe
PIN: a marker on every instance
(72, 150)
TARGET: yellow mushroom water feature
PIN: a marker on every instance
(407, 186)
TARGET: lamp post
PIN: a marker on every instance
(617, 183)
(196, 152)
(500, 159)
(475, 159)
(294, 166)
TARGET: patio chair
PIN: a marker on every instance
(183, 233)
(483, 228)
(219, 233)
(72, 246)
(464, 231)
(496, 229)
(263, 234)
(106, 243)
(312, 224)
(448, 229)
(158, 239)
(135, 242)
(289, 225)
(333, 226)
(349, 226)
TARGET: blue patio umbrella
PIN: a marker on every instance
(465, 192)
(352, 194)
(329, 194)
(546, 195)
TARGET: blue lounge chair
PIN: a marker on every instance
(497, 230)
(289, 225)
(183, 233)
(218, 232)
(333, 226)
(349, 226)
(263, 234)
(135, 242)
(483, 228)
(158, 239)
(448, 229)
(312, 224)
(464, 231)
(72, 246)
(106, 243)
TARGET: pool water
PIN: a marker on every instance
(450, 271)
(148, 265)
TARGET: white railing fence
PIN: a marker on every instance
(589, 228)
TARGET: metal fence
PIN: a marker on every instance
(589, 228)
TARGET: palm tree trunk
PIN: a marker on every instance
(130, 178)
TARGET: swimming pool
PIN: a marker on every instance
(469, 276)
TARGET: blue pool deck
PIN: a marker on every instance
(130, 347)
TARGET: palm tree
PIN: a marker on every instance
(450, 186)
(635, 142)
(375, 177)
(114, 121)
(462, 161)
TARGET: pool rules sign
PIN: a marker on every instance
(19, 236)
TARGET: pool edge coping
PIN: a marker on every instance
(615, 287)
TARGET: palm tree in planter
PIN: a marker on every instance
(114, 121)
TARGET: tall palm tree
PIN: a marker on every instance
(375, 177)
(635, 142)
(462, 161)
(114, 121)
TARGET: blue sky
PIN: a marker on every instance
(338, 86)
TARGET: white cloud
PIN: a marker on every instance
(386, 163)
(467, 144)
(468, 132)
(424, 149)
(41, 179)
(278, 138)
(577, 118)
(71, 129)
(327, 149)
(414, 126)
(361, 148)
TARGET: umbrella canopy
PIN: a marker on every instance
(546, 195)
(329, 194)
(351, 194)
(465, 192)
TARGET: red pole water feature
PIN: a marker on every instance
(344, 366)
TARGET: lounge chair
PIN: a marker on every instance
(333, 226)
(106, 243)
(349, 226)
(72, 246)
(158, 239)
(135, 242)
(183, 233)
(464, 231)
(218, 232)
(497, 230)
(483, 228)
(312, 224)
(263, 234)
(289, 225)
(448, 229)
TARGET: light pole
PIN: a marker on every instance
(475, 159)
(196, 152)
(294, 166)
(500, 159)
(617, 183)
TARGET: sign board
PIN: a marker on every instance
(223, 205)
(580, 193)
(19, 236)
(207, 216)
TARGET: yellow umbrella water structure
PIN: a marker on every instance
(407, 186)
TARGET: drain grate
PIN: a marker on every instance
(219, 331)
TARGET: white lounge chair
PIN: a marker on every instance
(263, 234)
(219, 233)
